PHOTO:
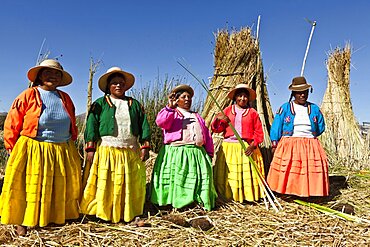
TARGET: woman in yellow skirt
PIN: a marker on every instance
(116, 124)
(42, 181)
(235, 178)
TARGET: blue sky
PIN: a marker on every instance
(146, 38)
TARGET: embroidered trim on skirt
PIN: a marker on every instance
(234, 176)
(183, 175)
(299, 167)
(42, 183)
(115, 186)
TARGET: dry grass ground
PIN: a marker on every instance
(230, 224)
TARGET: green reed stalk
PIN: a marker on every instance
(332, 212)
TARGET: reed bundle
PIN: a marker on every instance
(342, 138)
(237, 60)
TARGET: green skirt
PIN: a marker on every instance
(182, 175)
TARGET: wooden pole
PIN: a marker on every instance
(258, 27)
(308, 46)
(92, 70)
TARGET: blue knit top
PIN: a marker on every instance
(54, 122)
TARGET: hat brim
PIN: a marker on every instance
(33, 72)
(183, 87)
(299, 88)
(252, 93)
(129, 80)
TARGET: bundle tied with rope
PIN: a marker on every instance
(237, 60)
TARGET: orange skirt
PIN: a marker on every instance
(299, 167)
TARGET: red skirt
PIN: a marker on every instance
(299, 167)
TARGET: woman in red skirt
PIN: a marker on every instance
(300, 165)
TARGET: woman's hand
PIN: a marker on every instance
(144, 154)
(90, 156)
(172, 101)
(250, 149)
(222, 116)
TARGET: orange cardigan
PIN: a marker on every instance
(23, 116)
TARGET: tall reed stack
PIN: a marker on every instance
(342, 139)
(238, 60)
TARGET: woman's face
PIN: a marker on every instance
(116, 87)
(300, 97)
(50, 79)
(184, 101)
(242, 99)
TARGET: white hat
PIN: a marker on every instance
(129, 78)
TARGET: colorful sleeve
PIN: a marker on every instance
(145, 126)
(14, 121)
(277, 127)
(208, 145)
(218, 125)
(165, 118)
(92, 124)
(258, 130)
(320, 123)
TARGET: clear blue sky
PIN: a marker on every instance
(147, 37)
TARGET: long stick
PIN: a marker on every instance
(30, 83)
(308, 46)
(258, 27)
(39, 54)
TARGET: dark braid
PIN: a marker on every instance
(291, 97)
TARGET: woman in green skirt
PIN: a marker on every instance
(182, 172)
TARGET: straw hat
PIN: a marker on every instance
(52, 64)
(252, 93)
(129, 78)
(183, 87)
(299, 84)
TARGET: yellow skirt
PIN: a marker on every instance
(42, 183)
(234, 176)
(115, 186)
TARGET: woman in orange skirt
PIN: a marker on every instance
(300, 165)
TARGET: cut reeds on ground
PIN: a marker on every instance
(230, 224)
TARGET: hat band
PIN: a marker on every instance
(300, 88)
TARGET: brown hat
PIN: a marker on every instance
(299, 84)
(183, 87)
(129, 78)
(252, 93)
(52, 64)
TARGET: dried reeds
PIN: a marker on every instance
(234, 224)
(342, 138)
(237, 60)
